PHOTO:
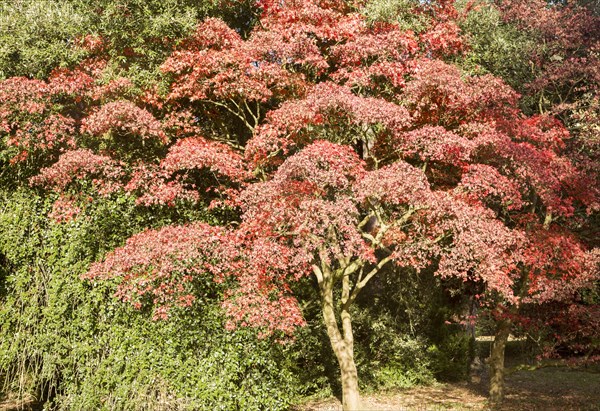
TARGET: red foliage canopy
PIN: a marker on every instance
(367, 149)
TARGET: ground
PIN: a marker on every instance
(550, 388)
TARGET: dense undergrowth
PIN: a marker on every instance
(73, 344)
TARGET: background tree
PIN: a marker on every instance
(561, 81)
(38, 37)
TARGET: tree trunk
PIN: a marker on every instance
(344, 353)
(350, 392)
(342, 345)
(497, 363)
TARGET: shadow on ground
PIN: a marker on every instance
(554, 388)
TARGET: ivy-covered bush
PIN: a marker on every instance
(66, 342)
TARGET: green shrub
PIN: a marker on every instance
(450, 358)
(409, 365)
(72, 344)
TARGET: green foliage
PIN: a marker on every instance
(396, 11)
(66, 341)
(38, 36)
(190, 362)
(311, 358)
(147, 30)
(408, 364)
(390, 352)
(450, 358)
(496, 47)
(312, 362)
(402, 331)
